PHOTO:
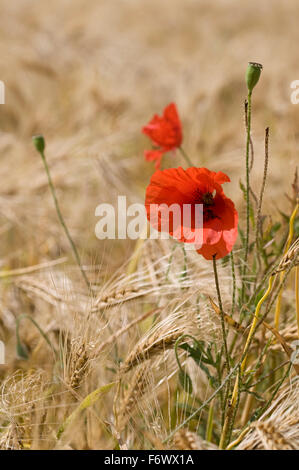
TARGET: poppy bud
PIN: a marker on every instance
(39, 143)
(253, 73)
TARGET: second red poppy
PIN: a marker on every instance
(165, 132)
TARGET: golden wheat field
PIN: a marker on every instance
(140, 344)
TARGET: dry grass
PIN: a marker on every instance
(278, 429)
(187, 440)
(88, 74)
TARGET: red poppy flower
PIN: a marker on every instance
(165, 132)
(193, 186)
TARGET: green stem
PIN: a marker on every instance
(247, 194)
(62, 222)
(265, 377)
(44, 335)
(221, 313)
(177, 354)
(234, 282)
(209, 429)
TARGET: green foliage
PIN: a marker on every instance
(185, 381)
(203, 357)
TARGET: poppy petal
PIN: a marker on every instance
(219, 249)
(165, 131)
(154, 155)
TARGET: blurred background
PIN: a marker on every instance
(89, 73)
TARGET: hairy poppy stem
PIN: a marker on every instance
(247, 193)
(229, 416)
(185, 156)
(260, 201)
(40, 145)
(253, 73)
(221, 314)
(229, 408)
(234, 282)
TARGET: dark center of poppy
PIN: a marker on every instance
(207, 199)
